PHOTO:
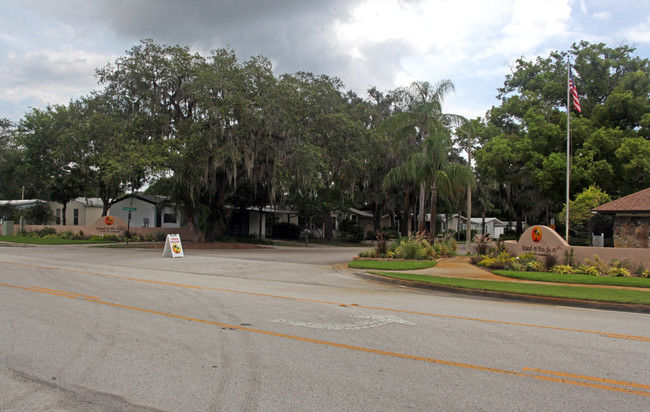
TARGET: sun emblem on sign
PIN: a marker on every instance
(108, 220)
(537, 234)
(176, 248)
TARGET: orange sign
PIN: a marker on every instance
(108, 220)
(537, 234)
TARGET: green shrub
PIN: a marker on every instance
(563, 269)
(408, 250)
(487, 261)
(503, 260)
(39, 214)
(619, 271)
(526, 258)
(352, 231)
(445, 247)
(518, 266)
(369, 253)
(68, 235)
(497, 258)
(598, 263)
(534, 266)
(45, 231)
(588, 270)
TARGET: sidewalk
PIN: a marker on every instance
(459, 267)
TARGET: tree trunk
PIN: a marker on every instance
(434, 210)
(406, 220)
(327, 226)
(483, 224)
(63, 211)
(376, 216)
(421, 211)
(105, 206)
(519, 225)
(458, 226)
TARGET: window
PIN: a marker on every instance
(58, 216)
(169, 218)
(75, 216)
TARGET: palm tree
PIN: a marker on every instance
(445, 179)
(422, 119)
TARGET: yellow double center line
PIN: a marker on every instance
(538, 374)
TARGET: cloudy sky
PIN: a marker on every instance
(50, 49)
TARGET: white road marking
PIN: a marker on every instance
(370, 321)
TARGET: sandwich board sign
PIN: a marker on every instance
(173, 246)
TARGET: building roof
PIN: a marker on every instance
(360, 212)
(22, 203)
(474, 220)
(153, 199)
(90, 201)
(636, 202)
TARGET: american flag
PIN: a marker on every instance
(574, 92)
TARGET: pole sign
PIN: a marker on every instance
(173, 247)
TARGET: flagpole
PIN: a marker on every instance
(568, 145)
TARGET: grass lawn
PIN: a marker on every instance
(42, 241)
(559, 291)
(391, 264)
(580, 279)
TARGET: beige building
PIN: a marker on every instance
(81, 211)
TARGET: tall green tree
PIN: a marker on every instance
(527, 157)
(51, 154)
(10, 161)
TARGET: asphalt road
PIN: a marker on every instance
(94, 329)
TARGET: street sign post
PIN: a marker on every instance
(128, 225)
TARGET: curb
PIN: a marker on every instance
(623, 307)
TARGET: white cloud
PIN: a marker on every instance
(49, 50)
(49, 76)
(639, 33)
(532, 24)
(603, 15)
